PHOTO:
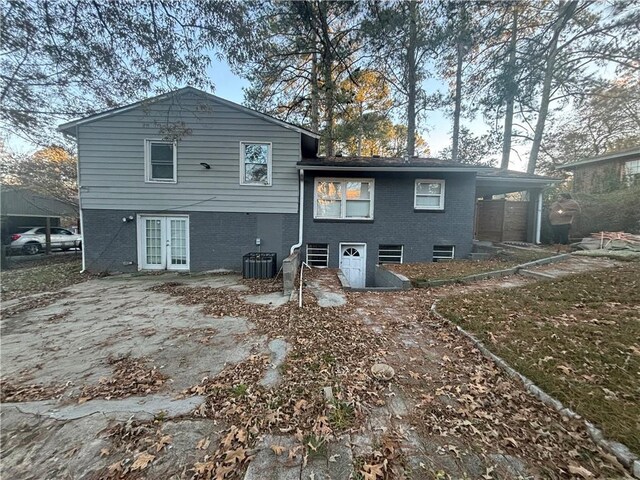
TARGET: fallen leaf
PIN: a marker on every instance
(203, 444)
(105, 452)
(142, 461)
(115, 467)
(277, 449)
(164, 440)
(578, 470)
(238, 454)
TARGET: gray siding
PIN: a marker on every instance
(217, 239)
(396, 222)
(111, 153)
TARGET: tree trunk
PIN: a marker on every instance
(510, 91)
(327, 78)
(315, 110)
(458, 102)
(412, 78)
(565, 12)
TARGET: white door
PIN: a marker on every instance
(163, 243)
(353, 261)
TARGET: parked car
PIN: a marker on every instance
(32, 240)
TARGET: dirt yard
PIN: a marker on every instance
(176, 376)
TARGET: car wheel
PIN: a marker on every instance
(31, 248)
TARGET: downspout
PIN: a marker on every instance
(301, 207)
(78, 183)
(538, 218)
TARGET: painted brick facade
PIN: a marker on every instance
(395, 220)
(217, 239)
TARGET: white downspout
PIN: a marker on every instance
(538, 218)
(301, 207)
(78, 185)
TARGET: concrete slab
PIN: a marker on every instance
(279, 349)
(266, 465)
(276, 299)
(325, 297)
(140, 408)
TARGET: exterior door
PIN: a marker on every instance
(163, 243)
(353, 261)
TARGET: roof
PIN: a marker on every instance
(68, 127)
(418, 164)
(621, 155)
(495, 181)
(18, 200)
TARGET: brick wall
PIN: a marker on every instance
(217, 239)
(395, 220)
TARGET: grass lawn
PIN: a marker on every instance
(421, 272)
(578, 338)
(43, 277)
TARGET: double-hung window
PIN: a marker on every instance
(429, 195)
(160, 159)
(255, 163)
(343, 199)
(632, 171)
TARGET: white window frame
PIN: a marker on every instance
(315, 254)
(343, 206)
(416, 195)
(391, 245)
(269, 164)
(452, 257)
(147, 161)
(627, 165)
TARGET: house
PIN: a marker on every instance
(20, 206)
(604, 173)
(188, 181)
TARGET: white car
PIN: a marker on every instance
(31, 240)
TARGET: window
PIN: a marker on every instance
(443, 252)
(632, 171)
(390, 254)
(344, 199)
(255, 164)
(318, 254)
(60, 231)
(160, 161)
(429, 195)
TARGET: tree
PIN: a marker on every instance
(606, 120)
(473, 149)
(399, 39)
(63, 59)
(50, 171)
(364, 114)
(579, 36)
(311, 46)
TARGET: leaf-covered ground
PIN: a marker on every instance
(578, 338)
(420, 272)
(60, 272)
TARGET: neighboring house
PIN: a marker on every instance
(23, 207)
(233, 181)
(606, 172)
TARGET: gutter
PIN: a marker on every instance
(396, 168)
(79, 183)
(301, 215)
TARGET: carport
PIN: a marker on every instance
(22, 207)
(502, 220)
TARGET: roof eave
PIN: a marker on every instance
(407, 168)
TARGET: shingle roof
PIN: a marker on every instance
(630, 153)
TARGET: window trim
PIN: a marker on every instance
(626, 168)
(343, 203)
(243, 163)
(415, 193)
(147, 161)
(452, 257)
(308, 262)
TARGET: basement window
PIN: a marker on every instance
(318, 254)
(443, 252)
(389, 254)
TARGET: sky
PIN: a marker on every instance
(436, 130)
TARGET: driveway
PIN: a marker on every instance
(210, 376)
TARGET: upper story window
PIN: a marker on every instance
(255, 163)
(343, 199)
(160, 159)
(429, 195)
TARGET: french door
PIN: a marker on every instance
(163, 242)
